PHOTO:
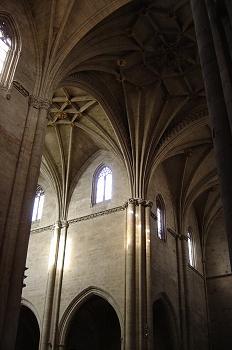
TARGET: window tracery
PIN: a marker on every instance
(102, 185)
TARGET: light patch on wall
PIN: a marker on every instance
(52, 253)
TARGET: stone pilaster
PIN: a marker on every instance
(138, 331)
(48, 305)
(16, 231)
(59, 279)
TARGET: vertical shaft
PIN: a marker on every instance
(130, 278)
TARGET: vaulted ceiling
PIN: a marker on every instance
(128, 80)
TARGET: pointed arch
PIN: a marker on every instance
(102, 184)
(10, 49)
(78, 302)
(166, 335)
(28, 333)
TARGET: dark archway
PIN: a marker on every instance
(94, 326)
(28, 332)
(164, 332)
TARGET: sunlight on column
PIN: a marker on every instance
(67, 253)
(52, 253)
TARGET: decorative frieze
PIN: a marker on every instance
(96, 215)
(39, 102)
(140, 201)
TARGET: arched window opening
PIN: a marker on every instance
(160, 213)
(10, 48)
(38, 203)
(190, 247)
(5, 43)
(103, 185)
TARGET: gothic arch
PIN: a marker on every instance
(28, 333)
(165, 325)
(78, 302)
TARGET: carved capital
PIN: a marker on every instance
(65, 224)
(39, 102)
(132, 201)
(57, 224)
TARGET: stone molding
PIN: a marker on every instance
(174, 234)
(82, 218)
(197, 272)
(183, 237)
(96, 215)
(39, 102)
(20, 88)
(153, 216)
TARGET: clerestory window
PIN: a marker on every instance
(102, 186)
(160, 213)
(38, 204)
(190, 247)
(10, 48)
(5, 44)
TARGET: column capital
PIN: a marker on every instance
(132, 201)
(65, 223)
(39, 102)
(57, 224)
(140, 201)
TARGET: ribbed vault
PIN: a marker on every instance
(133, 85)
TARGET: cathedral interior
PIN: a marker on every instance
(116, 189)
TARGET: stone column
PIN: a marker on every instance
(140, 274)
(14, 241)
(130, 311)
(148, 327)
(185, 261)
(181, 260)
(45, 340)
(59, 279)
(221, 131)
(138, 330)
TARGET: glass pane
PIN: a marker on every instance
(40, 208)
(159, 223)
(108, 188)
(190, 249)
(100, 189)
(35, 208)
